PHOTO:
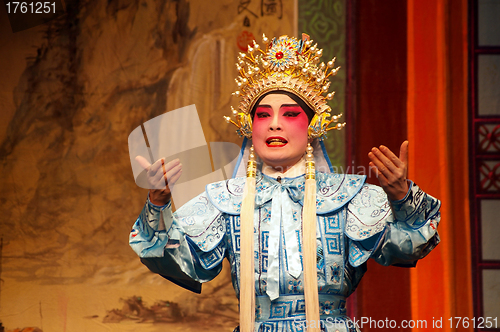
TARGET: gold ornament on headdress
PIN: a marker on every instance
(287, 64)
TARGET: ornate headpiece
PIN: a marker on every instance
(287, 64)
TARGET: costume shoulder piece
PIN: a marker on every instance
(368, 213)
(333, 191)
(227, 195)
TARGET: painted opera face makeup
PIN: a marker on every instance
(279, 132)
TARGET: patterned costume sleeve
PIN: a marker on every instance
(186, 247)
(396, 233)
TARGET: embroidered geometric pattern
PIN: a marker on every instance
(355, 254)
(210, 259)
(333, 244)
(280, 309)
(269, 327)
(332, 223)
(265, 241)
(237, 242)
(300, 307)
(236, 223)
(265, 263)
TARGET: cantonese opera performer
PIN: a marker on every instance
(297, 235)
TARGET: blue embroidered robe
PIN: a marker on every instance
(355, 222)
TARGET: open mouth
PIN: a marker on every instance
(276, 141)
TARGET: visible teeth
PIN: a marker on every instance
(276, 141)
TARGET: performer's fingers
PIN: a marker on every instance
(387, 163)
(379, 164)
(381, 177)
(156, 174)
(162, 179)
(374, 169)
(403, 152)
(168, 174)
(143, 162)
(156, 167)
(170, 165)
(391, 156)
(171, 180)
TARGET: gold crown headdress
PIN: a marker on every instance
(290, 65)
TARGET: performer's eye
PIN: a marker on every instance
(262, 114)
(291, 114)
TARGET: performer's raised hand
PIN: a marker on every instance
(162, 177)
(390, 170)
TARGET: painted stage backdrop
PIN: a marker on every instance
(71, 91)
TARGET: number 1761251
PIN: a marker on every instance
(31, 7)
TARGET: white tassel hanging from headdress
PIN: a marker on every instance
(247, 281)
(309, 240)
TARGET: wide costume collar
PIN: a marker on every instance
(333, 191)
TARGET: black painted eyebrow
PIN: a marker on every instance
(283, 105)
